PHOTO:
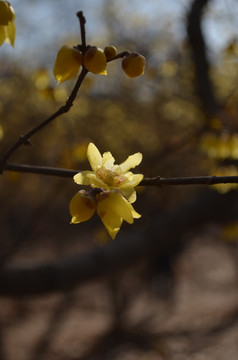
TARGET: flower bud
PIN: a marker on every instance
(67, 63)
(110, 52)
(133, 65)
(7, 13)
(82, 207)
(95, 60)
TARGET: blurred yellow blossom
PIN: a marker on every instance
(7, 25)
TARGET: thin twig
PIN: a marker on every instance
(82, 22)
(155, 181)
(24, 139)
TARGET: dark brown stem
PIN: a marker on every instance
(156, 181)
(82, 22)
(24, 139)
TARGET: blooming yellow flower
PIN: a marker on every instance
(7, 26)
(67, 63)
(111, 206)
(112, 194)
(108, 176)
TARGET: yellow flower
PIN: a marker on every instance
(108, 176)
(7, 26)
(111, 206)
(134, 65)
(67, 63)
(95, 60)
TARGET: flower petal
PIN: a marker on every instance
(108, 160)
(116, 203)
(131, 162)
(82, 207)
(82, 177)
(134, 181)
(11, 32)
(67, 63)
(94, 157)
(2, 34)
(111, 220)
(129, 194)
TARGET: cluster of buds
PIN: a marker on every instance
(70, 59)
(7, 26)
(113, 191)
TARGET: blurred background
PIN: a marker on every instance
(167, 286)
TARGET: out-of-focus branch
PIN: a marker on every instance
(157, 240)
(198, 47)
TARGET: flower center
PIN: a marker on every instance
(111, 178)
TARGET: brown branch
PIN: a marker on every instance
(24, 139)
(82, 22)
(155, 181)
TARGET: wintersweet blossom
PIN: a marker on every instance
(108, 176)
(112, 194)
(111, 206)
(7, 25)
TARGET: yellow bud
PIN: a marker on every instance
(82, 207)
(7, 13)
(110, 52)
(67, 63)
(95, 60)
(134, 65)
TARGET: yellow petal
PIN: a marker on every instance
(94, 157)
(112, 223)
(108, 160)
(2, 34)
(67, 63)
(134, 181)
(116, 203)
(82, 177)
(131, 162)
(82, 207)
(129, 194)
(11, 32)
(111, 220)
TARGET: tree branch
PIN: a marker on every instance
(24, 139)
(155, 181)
